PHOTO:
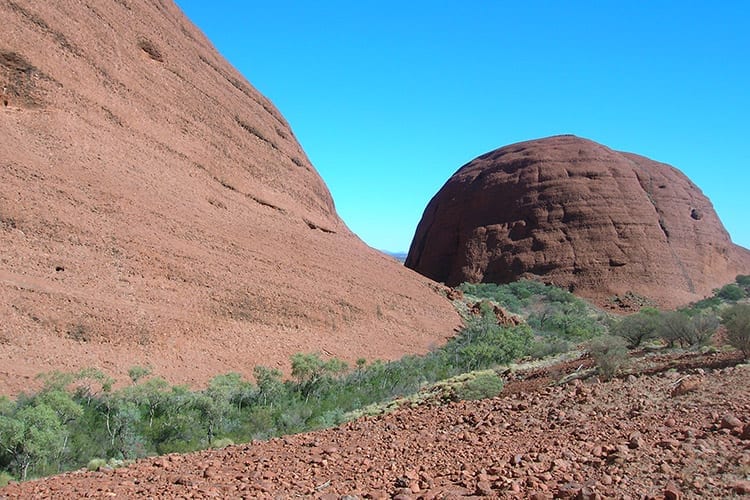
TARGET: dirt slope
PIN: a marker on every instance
(156, 209)
(681, 433)
(579, 215)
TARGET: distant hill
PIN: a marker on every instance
(579, 215)
(399, 256)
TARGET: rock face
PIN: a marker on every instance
(579, 215)
(155, 209)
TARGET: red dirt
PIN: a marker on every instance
(636, 437)
(155, 209)
(579, 215)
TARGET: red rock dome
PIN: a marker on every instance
(577, 214)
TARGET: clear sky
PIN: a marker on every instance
(390, 98)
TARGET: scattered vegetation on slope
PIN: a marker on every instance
(81, 420)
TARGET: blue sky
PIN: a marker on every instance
(389, 98)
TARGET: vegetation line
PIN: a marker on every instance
(79, 419)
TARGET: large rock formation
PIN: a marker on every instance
(577, 214)
(155, 209)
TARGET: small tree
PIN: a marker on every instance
(270, 386)
(737, 321)
(609, 353)
(674, 328)
(311, 371)
(702, 328)
(32, 436)
(637, 328)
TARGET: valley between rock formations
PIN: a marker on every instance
(155, 209)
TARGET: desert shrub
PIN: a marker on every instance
(678, 328)
(731, 292)
(548, 346)
(743, 280)
(737, 321)
(702, 328)
(96, 463)
(637, 328)
(5, 478)
(222, 443)
(711, 303)
(549, 310)
(516, 296)
(674, 328)
(483, 344)
(609, 353)
(483, 385)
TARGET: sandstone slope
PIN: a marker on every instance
(155, 209)
(579, 215)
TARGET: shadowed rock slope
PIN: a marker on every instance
(156, 209)
(580, 215)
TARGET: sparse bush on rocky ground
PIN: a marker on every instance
(483, 385)
(737, 321)
(678, 328)
(702, 328)
(637, 328)
(609, 352)
(548, 346)
(96, 463)
(743, 280)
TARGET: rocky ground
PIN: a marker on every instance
(681, 430)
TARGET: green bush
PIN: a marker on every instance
(222, 443)
(96, 463)
(548, 346)
(637, 328)
(737, 321)
(743, 280)
(702, 328)
(731, 292)
(673, 327)
(610, 354)
(677, 328)
(5, 479)
(483, 385)
(484, 344)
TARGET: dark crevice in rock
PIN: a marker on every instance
(265, 203)
(313, 225)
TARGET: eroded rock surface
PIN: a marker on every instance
(579, 215)
(155, 209)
